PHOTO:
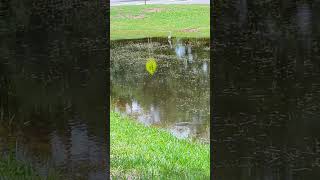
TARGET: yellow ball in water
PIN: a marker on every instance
(151, 65)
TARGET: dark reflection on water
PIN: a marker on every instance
(266, 90)
(52, 88)
(176, 97)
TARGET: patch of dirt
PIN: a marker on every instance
(119, 16)
(154, 10)
(190, 30)
(141, 16)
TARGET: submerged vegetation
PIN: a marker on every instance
(148, 152)
(131, 22)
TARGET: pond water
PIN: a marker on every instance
(176, 96)
(266, 90)
(52, 110)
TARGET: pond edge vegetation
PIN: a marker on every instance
(13, 169)
(147, 152)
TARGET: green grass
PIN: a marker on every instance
(139, 21)
(150, 153)
(12, 169)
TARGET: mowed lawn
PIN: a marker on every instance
(140, 21)
(151, 153)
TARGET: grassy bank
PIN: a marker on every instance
(146, 152)
(12, 169)
(129, 22)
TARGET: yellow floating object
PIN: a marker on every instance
(151, 65)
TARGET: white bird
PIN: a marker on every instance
(169, 40)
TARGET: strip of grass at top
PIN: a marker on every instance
(140, 21)
(147, 152)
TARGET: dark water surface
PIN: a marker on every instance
(176, 97)
(51, 107)
(52, 87)
(266, 122)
